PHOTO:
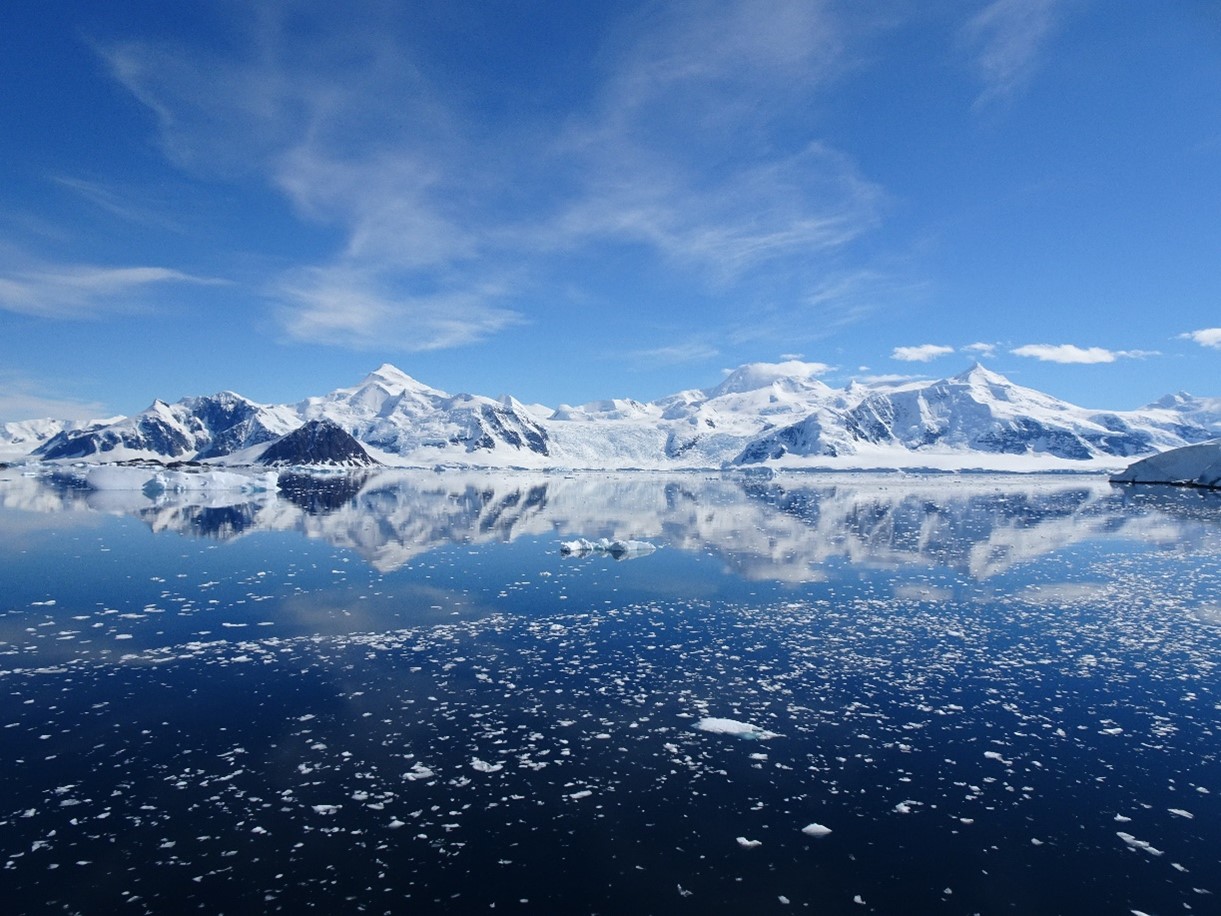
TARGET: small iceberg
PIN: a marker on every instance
(617, 548)
(1190, 466)
(815, 830)
(734, 728)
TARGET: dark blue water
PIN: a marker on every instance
(999, 695)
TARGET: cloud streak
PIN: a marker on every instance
(1006, 41)
(1205, 337)
(924, 353)
(85, 291)
(1074, 355)
(673, 150)
(23, 398)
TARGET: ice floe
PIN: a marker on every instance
(734, 728)
(618, 548)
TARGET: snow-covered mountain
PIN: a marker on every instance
(397, 415)
(775, 414)
(19, 438)
(317, 443)
(192, 429)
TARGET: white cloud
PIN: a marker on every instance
(921, 354)
(349, 308)
(983, 349)
(1070, 353)
(886, 379)
(676, 354)
(23, 398)
(83, 290)
(121, 202)
(1205, 337)
(675, 152)
(1006, 40)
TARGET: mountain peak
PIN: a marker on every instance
(393, 378)
(753, 376)
(979, 374)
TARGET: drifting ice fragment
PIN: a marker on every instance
(735, 728)
(815, 830)
(617, 548)
(1138, 844)
(749, 844)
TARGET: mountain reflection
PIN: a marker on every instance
(783, 529)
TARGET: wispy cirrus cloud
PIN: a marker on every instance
(674, 149)
(84, 290)
(1072, 354)
(1205, 337)
(693, 351)
(983, 349)
(118, 202)
(355, 309)
(1006, 41)
(924, 353)
(25, 398)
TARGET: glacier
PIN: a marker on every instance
(761, 415)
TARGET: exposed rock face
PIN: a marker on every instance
(192, 429)
(318, 442)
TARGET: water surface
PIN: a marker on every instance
(394, 694)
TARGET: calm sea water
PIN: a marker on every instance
(396, 695)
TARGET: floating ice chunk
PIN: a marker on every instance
(1122, 819)
(583, 793)
(735, 728)
(484, 767)
(1138, 844)
(617, 548)
(815, 830)
(1181, 813)
(325, 809)
(749, 844)
(418, 771)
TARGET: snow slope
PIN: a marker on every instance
(771, 414)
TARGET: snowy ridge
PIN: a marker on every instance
(773, 414)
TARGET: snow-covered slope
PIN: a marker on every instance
(18, 439)
(397, 415)
(977, 411)
(775, 414)
(1192, 465)
(192, 429)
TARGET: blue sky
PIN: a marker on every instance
(571, 201)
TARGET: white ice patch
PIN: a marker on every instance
(749, 844)
(617, 548)
(815, 830)
(735, 728)
(484, 767)
(1138, 844)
